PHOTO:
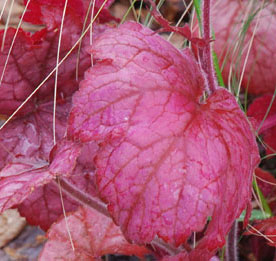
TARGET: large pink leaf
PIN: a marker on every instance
(230, 19)
(93, 235)
(138, 55)
(167, 161)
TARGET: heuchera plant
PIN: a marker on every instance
(143, 135)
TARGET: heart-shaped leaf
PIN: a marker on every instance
(168, 159)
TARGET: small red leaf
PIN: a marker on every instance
(32, 58)
(19, 179)
(32, 136)
(167, 161)
(266, 227)
(93, 235)
(49, 12)
(25, 147)
(43, 206)
(64, 156)
(263, 110)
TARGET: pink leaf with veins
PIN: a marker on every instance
(167, 161)
(93, 235)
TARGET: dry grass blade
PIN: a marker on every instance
(56, 74)
(6, 26)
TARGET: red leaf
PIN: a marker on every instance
(266, 227)
(19, 180)
(49, 12)
(167, 161)
(32, 136)
(266, 182)
(93, 235)
(33, 57)
(229, 18)
(64, 158)
(44, 207)
(266, 122)
(25, 147)
(179, 257)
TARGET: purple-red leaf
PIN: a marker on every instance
(33, 57)
(25, 145)
(267, 228)
(263, 110)
(43, 206)
(49, 12)
(19, 179)
(31, 137)
(168, 161)
(93, 235)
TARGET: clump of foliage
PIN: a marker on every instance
(114, 141)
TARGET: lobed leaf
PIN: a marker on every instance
(25, 146)
(167, 161)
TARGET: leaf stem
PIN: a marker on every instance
(207, 59)
(81, 197)
(231, 245)
(93, 202)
